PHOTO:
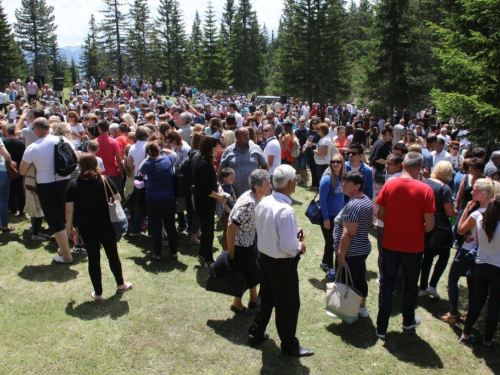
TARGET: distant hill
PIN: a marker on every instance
(72, 52)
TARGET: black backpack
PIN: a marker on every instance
(65, 160)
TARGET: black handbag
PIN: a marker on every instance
(441, 237)
(313, 212)
(224, 279)
(179, 185)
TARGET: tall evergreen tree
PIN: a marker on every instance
(172, 41)
(246, 49)
(35, 29)
(90, 56)
(139, 37)
(212, 70)
(73, 70)
(11, 59)
(57, 63)
(227, 23)
(113, 28)
(470, 59)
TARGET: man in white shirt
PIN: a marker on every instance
(51, 188)
(280, 248)
(399, 132)
(272, 151)
(444, 134)
(440, 153)
(232, 109)
(305, 110)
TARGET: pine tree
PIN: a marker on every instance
(73, 70)
(90, 56)
(34, 29)
(172, 42)
(139, 38)
(11, 59)
(245, 49)
(56, 61)
(211, 65)
(227, 22)
(113, 31)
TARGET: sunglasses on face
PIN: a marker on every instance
(336, 162)
(454, 148)
(266, 130)
(353, 153)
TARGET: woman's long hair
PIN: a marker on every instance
(88, 167)
(206, 146)
(333, 179)
(491, 217)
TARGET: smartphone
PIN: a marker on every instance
(300, 234)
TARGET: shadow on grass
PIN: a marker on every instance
(274, 362)
(201, 275)
(58, 273)
(320, 284)
(90, 310)
(154, 266)
(410, 348)
(360, 334)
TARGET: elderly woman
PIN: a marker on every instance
(482, 193)
(331, 200)
(87, 195)
(241, 237)
(158, 170)
(350, 234)
(441, 176)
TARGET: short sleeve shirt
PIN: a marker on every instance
(243, 216)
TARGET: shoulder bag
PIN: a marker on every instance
(30, 178)
(342, 299)
(313, 212)
(225, 279)
(116, 213)
(441, 237)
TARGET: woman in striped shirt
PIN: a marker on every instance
(350, 234)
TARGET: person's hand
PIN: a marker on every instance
(470, 206)
(222, 199)
(71, 233)
(326, 224)
(341, 259)
(230, 254)
(302, 247)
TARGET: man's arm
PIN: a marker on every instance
(20, 124)
(119, 162)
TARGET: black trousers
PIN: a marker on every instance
(279, 288)
(161, 213)
(93, 238)
(207, 237)
(328, 250)
(17, 199)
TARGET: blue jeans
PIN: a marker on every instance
(391, 261)
(301, 161)
(4, 197)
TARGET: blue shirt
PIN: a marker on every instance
(159, 174)
(331, 199)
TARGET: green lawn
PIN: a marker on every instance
(168, 324)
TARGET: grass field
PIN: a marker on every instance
(168, 324)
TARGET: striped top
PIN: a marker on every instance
(357, 210)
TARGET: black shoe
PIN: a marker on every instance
(243, 311)
(298, 352)
(254, 340)
(252, 305)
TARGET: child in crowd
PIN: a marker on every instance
(93, 148)
(227, 179)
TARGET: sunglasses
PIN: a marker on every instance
(269, 118)
(353, 153)
(267, 131)
(336, 162)
(455, 148)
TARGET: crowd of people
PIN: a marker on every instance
(178, 163)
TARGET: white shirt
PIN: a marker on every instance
(322, 160)
(457, 160)
(487, 251)
(332, 133)
(273, 148)
(239, 119)
(443, 155)
(305, 110)
(41, 154)
(277, 227)
(77, 129)
(138, 153)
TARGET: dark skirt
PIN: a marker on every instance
(246, 260)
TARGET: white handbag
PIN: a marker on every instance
(342, 299)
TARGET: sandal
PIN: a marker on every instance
(128, 286)
(450, 318)
(59, 259)
(156, 257)
(95, 296)
(8, 229)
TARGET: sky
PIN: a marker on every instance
(72, 16)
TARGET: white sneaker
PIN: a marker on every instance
(416, 323)
(423, 293)
(363, 312)
(433, 292)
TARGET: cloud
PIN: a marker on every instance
(72, 16)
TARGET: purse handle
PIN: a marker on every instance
(348, 278)
(104, 184)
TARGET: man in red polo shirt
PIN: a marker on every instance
(121, 137)
(407, 209)
(109, 152)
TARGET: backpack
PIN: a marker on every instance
(65, 160)
(187, 168)
(295, 152)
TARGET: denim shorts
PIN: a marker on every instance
(301, 161)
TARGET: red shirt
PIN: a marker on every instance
(102, 85)
(108, 148)
(406, 202)
(314, 112)
(122, 142)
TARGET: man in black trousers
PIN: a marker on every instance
(280, 248)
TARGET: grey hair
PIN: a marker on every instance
(495, 155)
(283, 175)
(186, 117)
(413, 159)
(257, 178)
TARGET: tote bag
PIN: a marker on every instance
(313, 212)
(116, 213)
(342, 299)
